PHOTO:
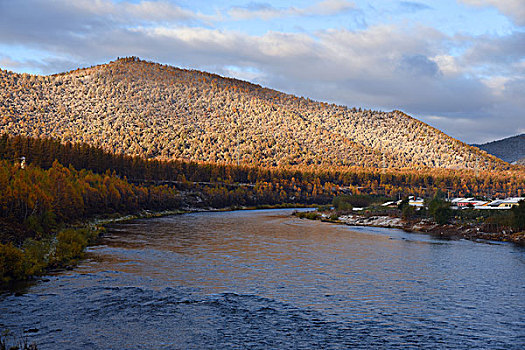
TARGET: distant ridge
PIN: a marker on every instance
(142, 108)
(510, 149)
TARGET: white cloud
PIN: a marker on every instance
(496, 84)
(267, 12)
(262, 11)
(514, 9)
(330, 7)
(447, 65)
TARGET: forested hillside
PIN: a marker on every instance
(156, 111)
(511, 149)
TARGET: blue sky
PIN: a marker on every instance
(457, 65)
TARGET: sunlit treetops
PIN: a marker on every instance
(156, 111)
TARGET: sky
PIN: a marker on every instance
(458, 65)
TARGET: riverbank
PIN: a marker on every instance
(65, 249)
(449, 231)
(146, 214)
(60, 250)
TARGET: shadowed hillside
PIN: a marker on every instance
(156, 111)
(511, 149)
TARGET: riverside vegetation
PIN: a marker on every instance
(8, 341)
(43, 204)
(61, 186)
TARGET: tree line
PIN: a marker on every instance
(295, 181)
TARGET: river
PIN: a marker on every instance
(265, 280)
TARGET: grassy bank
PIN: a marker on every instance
(66, 247)
(35, 257)
(58, 249)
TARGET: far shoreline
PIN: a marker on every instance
(446, 231)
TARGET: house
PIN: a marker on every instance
(499, 204)
(506, 203)
(467, 202)
(413, 201)
(416, 201)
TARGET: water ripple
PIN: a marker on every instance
(263, 280)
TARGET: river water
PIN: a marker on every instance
(266, 280)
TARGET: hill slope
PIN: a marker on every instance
(511, 149)
(158, 111)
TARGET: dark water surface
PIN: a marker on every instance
(262, 279)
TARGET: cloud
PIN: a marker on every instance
(6, 61)
(419, 65)
(142, 11)
(330, 7)
(514, 9)
(266, 11)
(46, 64)
(85, 15)
(496, 52)
(259, 10)
(412, 6)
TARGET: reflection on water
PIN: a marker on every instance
(262, 279)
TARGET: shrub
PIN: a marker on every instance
(408, 212)
(312, 215)
(324, 207)
(403, 203)
(442, 215)
(9, 342)
(518, 220)
(342, 203)
(440, 210)
(70, 244)
(347, 202)
(11, 263)
(36, 255)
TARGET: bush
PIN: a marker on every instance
(312, 215)
(70, 245)
(408, 212)
(36, 255)
(347, 202)
(11, 263)
(324, 207)
(440, 210)
(9, 342)
(403, 204)
(343, 203)
(40, 224)
(518, 220)
(442, 215)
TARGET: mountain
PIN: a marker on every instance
(511, 149)
(157, 111)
